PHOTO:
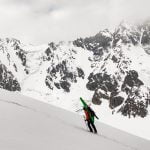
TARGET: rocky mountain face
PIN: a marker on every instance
(7, 80)
(117, 79)
(114, 66)
(12, 64)
(63, 73)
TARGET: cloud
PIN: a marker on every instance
(42, 21)
(131, 10)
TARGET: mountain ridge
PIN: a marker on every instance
(115, 69)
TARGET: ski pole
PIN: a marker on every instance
(79, 110)
(85, 123)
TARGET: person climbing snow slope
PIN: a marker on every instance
(89, 116)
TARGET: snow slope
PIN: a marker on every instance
(28, 124)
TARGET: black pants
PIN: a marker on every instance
(91, 126)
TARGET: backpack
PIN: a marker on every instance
(91, 113)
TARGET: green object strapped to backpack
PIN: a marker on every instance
(91, 112)
(83, 102)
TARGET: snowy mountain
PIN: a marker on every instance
(28, 124)
(108, 67)
(12, 64)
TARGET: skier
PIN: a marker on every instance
(89, 118)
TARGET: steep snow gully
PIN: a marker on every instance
(28, 124)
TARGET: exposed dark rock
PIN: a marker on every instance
(115, 101)
(80, 73)
(57, 85)
(146, 38)
(48, 54)
(126, 36)
(145, 32)
(7, 80)
(79, 42)
(131, 80)
(96, 99)
(96, 43)
(98, 95)
(66, 76)
(101, 81)
(133, 108)
(135, 37)
(52, 45)
(48, 82)
(92, 86)
(114, 58)
(22, 55)
(65, 85)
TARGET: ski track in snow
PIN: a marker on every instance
(18, 104)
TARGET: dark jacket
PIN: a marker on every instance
(89, 114)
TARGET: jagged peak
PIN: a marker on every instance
(105, 33)
(12, 40)
(125, 24)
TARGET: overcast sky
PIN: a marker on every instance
(42, 21)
